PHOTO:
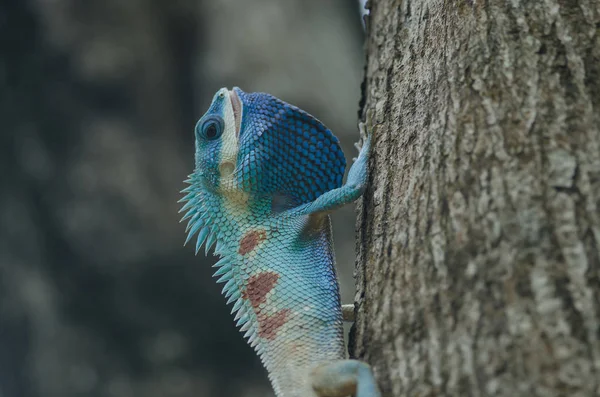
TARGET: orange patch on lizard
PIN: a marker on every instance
(250, 240)
(259, 285)
(269, 325)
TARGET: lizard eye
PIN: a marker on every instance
(211, 128)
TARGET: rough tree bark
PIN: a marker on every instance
(478, 252)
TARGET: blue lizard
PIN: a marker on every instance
(266, 176)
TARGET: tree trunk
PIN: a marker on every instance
(478, 252)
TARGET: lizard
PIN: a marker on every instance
(267, 174)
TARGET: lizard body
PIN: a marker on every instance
(266, 176)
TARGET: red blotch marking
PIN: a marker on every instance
(259, 285)
(269, 325)
(250, 240)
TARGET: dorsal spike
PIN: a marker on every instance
(225, 277)
(228, 286)
(210, 241)
(189, 191)
(252, 338)
(240, 313)
(233, 295)
(193, 231)
(249, 334)
(223, 270)
(188, 205)
(244, 324)
(186, 197)
(202, 235)
(241, 319)
(219, 247)
(237, 305)
(222, 262)
(187, 215)
(197, 217)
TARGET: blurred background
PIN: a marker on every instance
(98, 100)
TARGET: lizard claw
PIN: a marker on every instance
(363, 129)
(363, 135)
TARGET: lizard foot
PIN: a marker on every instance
(364, 128)
(344, 378)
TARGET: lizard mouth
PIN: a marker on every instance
(236, 105)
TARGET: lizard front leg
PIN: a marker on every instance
(352, 189)
(344, 378)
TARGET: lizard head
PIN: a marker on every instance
(256, 148)
(262, 146)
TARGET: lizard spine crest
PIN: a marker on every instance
(203, 222)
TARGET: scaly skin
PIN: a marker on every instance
(266, 176)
